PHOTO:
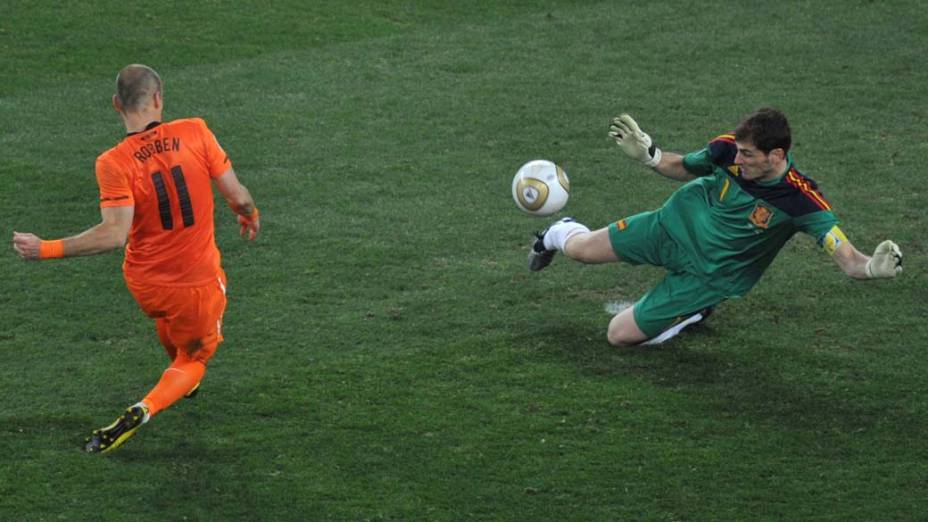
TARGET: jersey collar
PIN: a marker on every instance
(148, 127)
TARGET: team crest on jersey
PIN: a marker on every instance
(621, 224)
(761, 216)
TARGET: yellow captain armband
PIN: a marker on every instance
(833, 240)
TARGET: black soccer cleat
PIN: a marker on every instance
(111, 437)
(538, 256)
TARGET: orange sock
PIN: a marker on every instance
(176, 381)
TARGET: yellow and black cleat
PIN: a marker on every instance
(111, 437)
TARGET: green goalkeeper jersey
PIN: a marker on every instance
(732, 228)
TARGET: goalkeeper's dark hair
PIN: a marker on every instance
(767, 129)
(135, 84)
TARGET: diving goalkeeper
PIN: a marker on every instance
(743, 200)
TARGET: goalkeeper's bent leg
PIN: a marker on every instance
(558, 234)
(624, 330)
(588, 247)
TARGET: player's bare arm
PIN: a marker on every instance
(671, 166)
(852, 261)
(109, 234)
(886, 261)
(241, 202)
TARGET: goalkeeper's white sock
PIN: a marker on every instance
(556, 237)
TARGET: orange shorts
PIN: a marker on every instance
(191, 316)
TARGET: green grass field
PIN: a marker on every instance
(388, 356)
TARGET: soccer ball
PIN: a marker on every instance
(540, 188)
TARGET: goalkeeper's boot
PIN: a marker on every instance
(538, 256)
(193, 393)
(111, 437)
(674, 330)
(705, 313)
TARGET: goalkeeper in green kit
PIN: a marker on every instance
(743, 200)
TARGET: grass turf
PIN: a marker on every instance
(388, 356)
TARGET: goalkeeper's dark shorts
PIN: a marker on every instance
(640, 239)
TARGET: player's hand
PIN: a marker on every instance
(633, 141)
(886, 261)
(250, 225)
(26, 245)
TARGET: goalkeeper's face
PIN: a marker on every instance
(755, 165)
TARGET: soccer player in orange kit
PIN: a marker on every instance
(156, 191)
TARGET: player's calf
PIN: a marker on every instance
(193, 392)
(590, 247)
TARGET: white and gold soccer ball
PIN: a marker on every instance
(540, 188)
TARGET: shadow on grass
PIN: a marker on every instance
(48, 431)
(174, 471)
(43, 423)
(728, 382)
(69, 433)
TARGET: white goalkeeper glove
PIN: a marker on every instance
(633, 141)
(886, 261)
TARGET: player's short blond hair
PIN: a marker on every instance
(135, 84)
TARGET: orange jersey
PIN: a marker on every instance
(166, 173)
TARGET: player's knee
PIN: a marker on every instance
(619, 339)
(624, 332)
(193, 345)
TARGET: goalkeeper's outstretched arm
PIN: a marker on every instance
(671, 166)
(886, 261)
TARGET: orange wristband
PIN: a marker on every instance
(253, 216)
(51, 249)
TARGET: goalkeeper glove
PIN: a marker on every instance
(633, 141)
(886, 261)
